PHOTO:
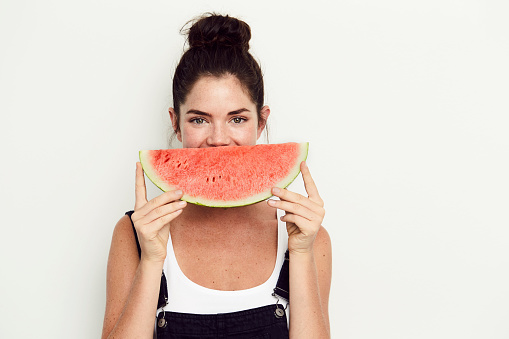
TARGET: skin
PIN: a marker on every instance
(218, 112)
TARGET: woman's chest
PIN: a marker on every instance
(226, 259)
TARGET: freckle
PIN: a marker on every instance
(238, 277)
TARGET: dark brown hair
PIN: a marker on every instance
(218, 46)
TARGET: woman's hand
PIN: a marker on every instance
(152, 219)
(303, 216)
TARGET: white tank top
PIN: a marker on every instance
(185, 296)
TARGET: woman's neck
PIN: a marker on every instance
(217, 215)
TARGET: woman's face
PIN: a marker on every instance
(218, 112)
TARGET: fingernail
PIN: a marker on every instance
(276, 190)
(178, 192)
(271, 203)
(182, 203)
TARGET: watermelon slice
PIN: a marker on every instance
(226, 176)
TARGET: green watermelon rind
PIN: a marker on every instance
(285, 182)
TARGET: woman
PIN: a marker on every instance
(223, 261)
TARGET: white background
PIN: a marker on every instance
(405, 106)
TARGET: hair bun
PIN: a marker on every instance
(217, 30)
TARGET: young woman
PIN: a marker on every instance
(220, 265)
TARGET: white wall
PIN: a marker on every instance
(404, 104)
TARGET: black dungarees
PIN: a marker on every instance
(267, 322)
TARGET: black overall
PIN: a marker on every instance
(267, 322)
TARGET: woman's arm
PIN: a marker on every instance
(310, 259)
(132, 288)
(310, 280)
(132, 283)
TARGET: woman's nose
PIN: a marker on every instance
(219, 136)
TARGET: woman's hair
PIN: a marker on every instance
(218, 46)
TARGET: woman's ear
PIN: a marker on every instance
(175, 123)
(262, 122)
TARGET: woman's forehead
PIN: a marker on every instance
(218, 93)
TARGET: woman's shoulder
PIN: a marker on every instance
(322, 241)
(323, 251)
(124, 228)
(123, 242)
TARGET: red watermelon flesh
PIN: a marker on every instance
(226, 176)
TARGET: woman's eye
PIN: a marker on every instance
(238, 120)
(198, 120)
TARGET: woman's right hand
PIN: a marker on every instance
(152, 218)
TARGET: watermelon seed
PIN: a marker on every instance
(207, 179)
(213, 179)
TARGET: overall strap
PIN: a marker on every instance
(282, 288)
(163, 289)
(135, 234)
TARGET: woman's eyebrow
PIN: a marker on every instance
(198, 112)
(238, 111)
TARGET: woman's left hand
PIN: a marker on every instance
(303, 216)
